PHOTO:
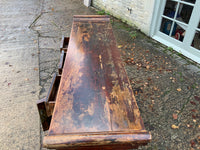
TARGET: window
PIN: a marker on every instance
(177, 24)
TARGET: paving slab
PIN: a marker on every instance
(19, 90)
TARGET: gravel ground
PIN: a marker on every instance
(166, 87)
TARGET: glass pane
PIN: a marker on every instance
(189, 1)
(170, 8)
(179, 32)
(166, 26)
(184, 13)
(196, 41)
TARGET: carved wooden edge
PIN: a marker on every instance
(93, 18)
(64, 44)
(132, 138)
(46, 105)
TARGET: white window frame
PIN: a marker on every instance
(184, 47)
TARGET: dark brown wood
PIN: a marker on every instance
(46, 105)
(51, 96)
(105, 140)
(45, 120)
(95, 106)
(64, 44)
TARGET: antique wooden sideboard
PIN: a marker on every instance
(90, 105)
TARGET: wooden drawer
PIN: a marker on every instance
(63, 51)
(46, 105)
(64, 44)
(61, 63)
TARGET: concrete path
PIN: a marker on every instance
(19, 119)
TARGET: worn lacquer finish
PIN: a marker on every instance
(94, 95)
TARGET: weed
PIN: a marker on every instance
(133, 34)
(101, 12)
(111, 21)
(170, 49)
(181, 77)
(107, 13)
(194, 86)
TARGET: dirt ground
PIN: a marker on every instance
(166, 87)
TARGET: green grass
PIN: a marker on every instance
(133, 34)
(101, 12)
(170, 49)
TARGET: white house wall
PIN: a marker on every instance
(134, 12)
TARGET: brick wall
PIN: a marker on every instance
(134, 12)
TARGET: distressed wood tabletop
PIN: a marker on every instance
(95, 106)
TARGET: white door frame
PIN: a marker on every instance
(184, 47)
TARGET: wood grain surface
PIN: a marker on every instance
(95, 104)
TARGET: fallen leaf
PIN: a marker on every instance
(197, 98)
(189, 126)
(179, 89)
(36, 69)
(27, 79)
(119, 46)
(175, 116)
(192, 142)
(149, 79)
(52, 9)
(194, 120)
(193, 103)
(136, 92)
(147, 66)
(35, 41)
(193, 116)
(155, 88)
(151, 106)
(174, 126)
(194, 110)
